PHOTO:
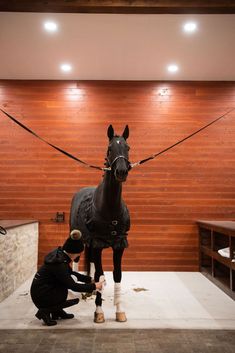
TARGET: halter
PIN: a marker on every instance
(115, 159)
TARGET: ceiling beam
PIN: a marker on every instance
(121, 6)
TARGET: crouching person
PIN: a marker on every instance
(49, 289)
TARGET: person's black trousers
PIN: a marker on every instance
(51, 301)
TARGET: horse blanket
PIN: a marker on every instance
(97, 231)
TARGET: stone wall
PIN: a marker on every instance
(18, 257)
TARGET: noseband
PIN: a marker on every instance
(115, 160)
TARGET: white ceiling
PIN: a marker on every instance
(116, 47)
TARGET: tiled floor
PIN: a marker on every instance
(117, 341)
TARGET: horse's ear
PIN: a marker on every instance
(126, 132)
(110, 132)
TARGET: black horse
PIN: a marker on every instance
(103, 218)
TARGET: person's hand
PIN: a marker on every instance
(99, 285)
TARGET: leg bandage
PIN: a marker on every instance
(99, 309)
(92, 270)
(75, 266)
(117, 296)
(103, 281)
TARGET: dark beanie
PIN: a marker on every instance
(74, 244)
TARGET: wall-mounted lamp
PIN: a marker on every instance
(59, 217)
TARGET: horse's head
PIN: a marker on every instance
(118, 154)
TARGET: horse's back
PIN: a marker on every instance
(83, 195)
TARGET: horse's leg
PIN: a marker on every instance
(117, 277)
(97, 258)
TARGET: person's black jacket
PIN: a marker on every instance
(56, 273)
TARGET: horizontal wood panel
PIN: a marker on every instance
(195, 180)
(121, 6)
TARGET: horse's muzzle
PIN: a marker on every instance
(121, 174)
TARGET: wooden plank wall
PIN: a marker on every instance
(120, 6)
(195, 180)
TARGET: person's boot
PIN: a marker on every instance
(45, 316)
(61, 314)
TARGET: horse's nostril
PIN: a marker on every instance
(121, 173)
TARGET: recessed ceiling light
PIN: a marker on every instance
(50, 26)
(66, 67)
(190, 27)
(172, 68)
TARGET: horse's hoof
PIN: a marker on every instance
(121, 317)
(99, 318)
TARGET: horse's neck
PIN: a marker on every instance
(107, 198)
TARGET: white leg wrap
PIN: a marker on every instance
(102, 280)
(117, 296)
(92, 269)
(99, 310)
(75, 266)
